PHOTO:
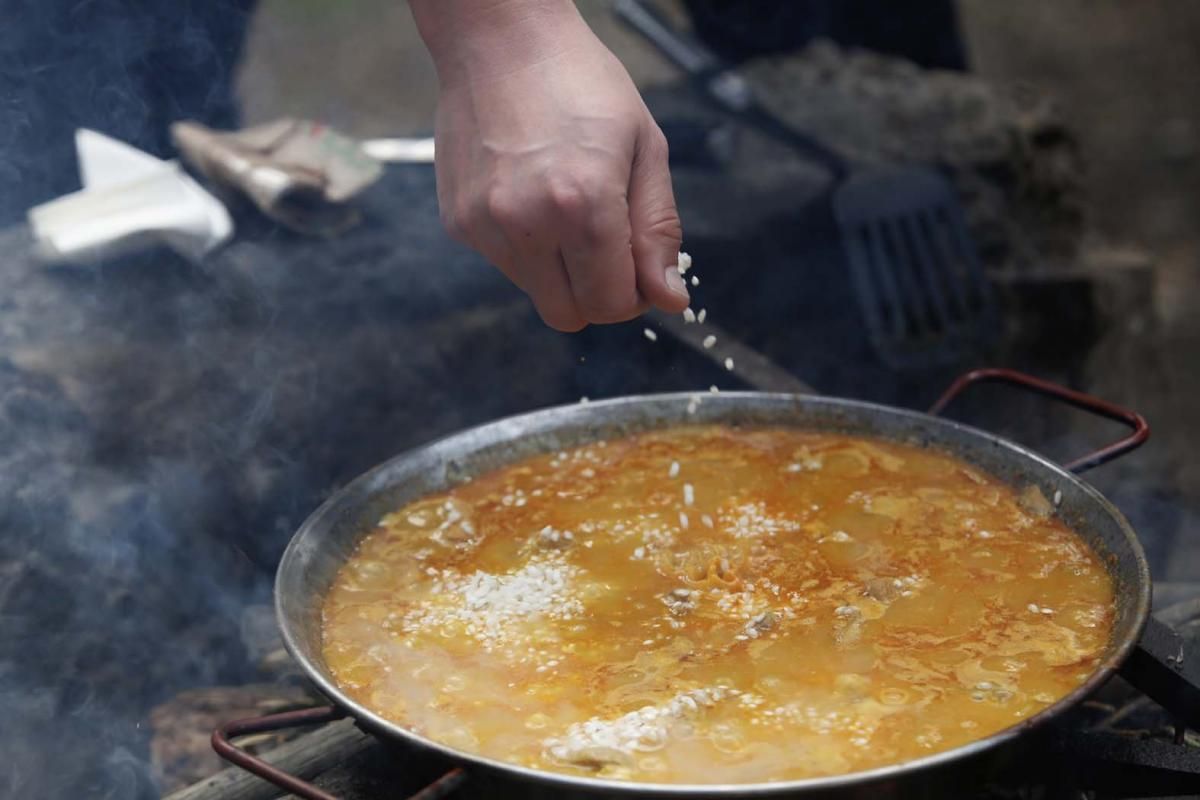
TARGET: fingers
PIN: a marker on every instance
(566, 244)
(655, 227)
(590, 240)
(593, 218)
(530, 259)
(544, 278)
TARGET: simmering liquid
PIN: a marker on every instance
(718, 605)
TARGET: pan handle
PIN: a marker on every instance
(226, 749)
(1162, 667)
(1140, 429)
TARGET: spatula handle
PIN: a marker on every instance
(683, 50)
(722, 83)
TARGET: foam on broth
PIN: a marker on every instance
(718, 605)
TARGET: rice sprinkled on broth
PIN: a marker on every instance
(562, 612)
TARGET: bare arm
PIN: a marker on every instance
(548, 162)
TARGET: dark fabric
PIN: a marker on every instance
(127, 68)
(924, 31)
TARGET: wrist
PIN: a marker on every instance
(468, 38)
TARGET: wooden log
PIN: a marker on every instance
(305, 757)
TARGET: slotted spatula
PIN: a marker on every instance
(920, 286)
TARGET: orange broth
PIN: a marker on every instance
(710, 604)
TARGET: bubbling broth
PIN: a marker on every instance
(709, 604)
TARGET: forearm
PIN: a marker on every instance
(471, 38)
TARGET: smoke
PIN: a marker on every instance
(124, 67)
(111, 597)
(164, 428)
(119, 580)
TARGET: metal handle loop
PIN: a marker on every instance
(226, 749)
(1140, 429)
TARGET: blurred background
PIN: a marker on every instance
(1120, 73)
(166, 423)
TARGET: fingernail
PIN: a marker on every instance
(675, 281)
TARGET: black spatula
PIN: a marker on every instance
(923, 295)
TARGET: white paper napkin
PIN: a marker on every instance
(130, 200)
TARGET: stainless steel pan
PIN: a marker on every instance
(329, 536)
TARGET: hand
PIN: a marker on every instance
(549, 164)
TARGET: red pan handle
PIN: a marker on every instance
(226, 749)
(1140, 429)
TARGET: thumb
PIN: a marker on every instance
(654, 224)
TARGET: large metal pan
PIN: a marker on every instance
(1139, 646)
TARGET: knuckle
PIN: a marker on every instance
(606, 309)
(455, 221)
(589, 231)
(569, 197)
(502, 206)
(663, 225)
(573, 325)
(657, 145)
(562, 319)
(583, 204)
(595, 181)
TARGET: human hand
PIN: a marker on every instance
(548, 162)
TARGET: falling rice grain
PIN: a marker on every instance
(684, 263)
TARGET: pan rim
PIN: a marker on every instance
(1120, 648)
